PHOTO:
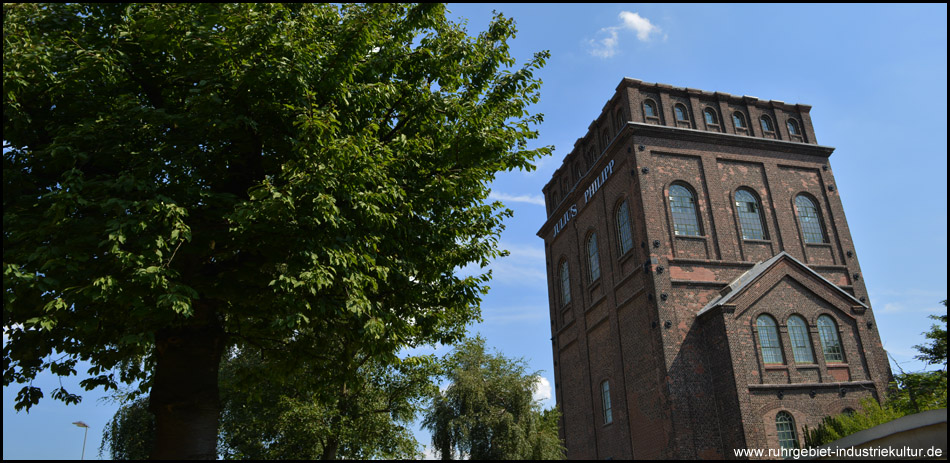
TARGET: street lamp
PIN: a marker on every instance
(83, 425)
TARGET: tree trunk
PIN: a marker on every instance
(330, 450)
(184, 395)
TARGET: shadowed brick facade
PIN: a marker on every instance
(668, 319)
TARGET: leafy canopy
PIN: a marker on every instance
(488, 412)
(935, 351)
(298, 175)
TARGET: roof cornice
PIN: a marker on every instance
(741, 141)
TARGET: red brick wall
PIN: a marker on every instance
(682, 386)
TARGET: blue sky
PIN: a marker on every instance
(875, 75)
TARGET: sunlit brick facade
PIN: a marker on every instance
(705, 293)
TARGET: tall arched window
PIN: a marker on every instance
(750, 216)
(620, 120)
(710, 116)
(801, 344)
(649, 109)
(605, 400)
(809, 219)
(787, 437)
(606, 138)
(565, 283)
(681, 114)
(683, 209)
(830, 342)
(593, 257)
(768, 339)
(739, 120)
(766, 124)
(624, 235)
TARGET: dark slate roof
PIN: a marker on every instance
(739, 284)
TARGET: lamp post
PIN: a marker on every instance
(83, 425)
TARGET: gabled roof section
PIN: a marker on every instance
(739, 285)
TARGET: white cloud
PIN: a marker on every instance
(542, 389)
(641, 25)
(530, 199)
(533, 252)
(514, 315)
(524, 266)
(893, 308)
(906, 301)
(607, 46)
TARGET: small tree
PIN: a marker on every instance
(263, 419)
(935, 352)
(488, 412)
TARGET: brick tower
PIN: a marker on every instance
(705, 294)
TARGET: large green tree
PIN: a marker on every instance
(303, 179)
(488, 411)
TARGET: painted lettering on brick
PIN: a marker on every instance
(568, 215)
(596, 184)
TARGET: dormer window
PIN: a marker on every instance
(712, 122)
(649, 109)
(794, 130)
(739, 120)
(681, 114)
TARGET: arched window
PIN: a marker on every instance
(606, 138)
(624, 235)
(738, 119)
(768, 339)
(565, 284)
(809, 219)
(787, 437)
(830, 342)
(593, 257)
(710, 116)
(801, 344)
(750, 216)
(793, 128)
(590, 157)
(683, 208)
(605, 399)
(681, 113)
(766, 124)
(620, 120)
(649, 109)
